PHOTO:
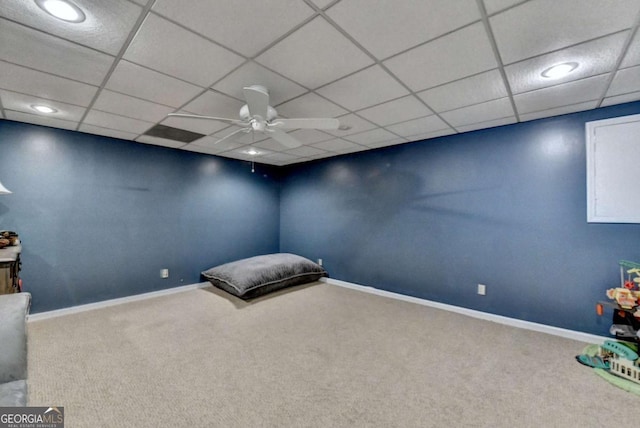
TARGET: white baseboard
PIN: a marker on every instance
(106, 303)
(514, 322)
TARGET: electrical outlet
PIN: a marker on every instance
(164, 273)
(482, 289)
(320, 262)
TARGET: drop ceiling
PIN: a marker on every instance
(392, 72)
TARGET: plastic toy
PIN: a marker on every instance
(627, 299)
(620, 350)
(619, 362)
(592, 361)
(616, 358)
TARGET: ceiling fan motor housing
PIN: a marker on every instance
(245, 115)
(258, 124)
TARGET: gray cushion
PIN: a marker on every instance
(256, 276)
(13, 394)
(13, 336)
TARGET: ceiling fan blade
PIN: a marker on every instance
(199, 116)
(306, 123)
(237, 131)
(284, 138)
(257, 100)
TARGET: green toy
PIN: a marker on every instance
(627, 385)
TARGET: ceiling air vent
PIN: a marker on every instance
(163, 131)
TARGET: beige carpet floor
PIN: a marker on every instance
(312, 356)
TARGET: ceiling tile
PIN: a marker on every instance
(310, 136)
(493, 6)
(200, 126)
(215, 104)
(157, 141)
(314, 55)
(150, 85)
(106, 27)
(310, 105)
(409, 22)
(34, 49)
(351, 124)
(619, 99)
(561, 95)
(248, 153)
(214, 145)
(471, 90)
(113, 102)
(419, 126)
(323, 155)
(593, 58)
(250, 73)
(269, 144)
(21, 102)
(369, 138)
(45, 85)
(92, 129)
(305, 151)
(280, 157)
(323, 3)
(399, 110)
(530, 29)
(559, 111)
(336, 145)
(488, 124)
(387, 143)
(246, 25)
(364, 88)
(433, 134)
(451, 57)
(490, 110)
(627, 80)
(166, 47)
(113, 121)
(40, 120)
(632, 56)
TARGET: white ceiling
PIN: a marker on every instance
(392, 71)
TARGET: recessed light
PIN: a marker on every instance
(251, 152)
(43, 109)
(62, 9)
(559, 70)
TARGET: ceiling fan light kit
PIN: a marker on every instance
(258, 116)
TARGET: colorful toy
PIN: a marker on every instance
(620, 349)
(627, 299)
(615, 358)
(619, 362)
(627, 295)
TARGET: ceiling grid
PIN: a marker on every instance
(390, 72)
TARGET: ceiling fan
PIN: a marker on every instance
(258, 116)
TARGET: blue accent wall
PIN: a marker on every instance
(99, 217)
(505, 207)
